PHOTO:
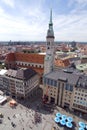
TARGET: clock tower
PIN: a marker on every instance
(50, 48)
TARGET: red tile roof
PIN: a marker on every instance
(10, 57)
(62, 63)
(25, 57)
(32, 58)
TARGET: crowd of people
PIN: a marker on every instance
(37, 117)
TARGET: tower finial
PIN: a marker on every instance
(51, 16)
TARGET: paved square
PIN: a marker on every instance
(23, 117)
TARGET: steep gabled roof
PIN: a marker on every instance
(22, 74)
(25, 57)
(10, 57)
(32, 58)
(25, 74)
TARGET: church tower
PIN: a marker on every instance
(49, 58)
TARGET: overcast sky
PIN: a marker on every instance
(28, 19)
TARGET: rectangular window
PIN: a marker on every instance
(51, 82)
(67, 87)
(48, 81)
(55, 83)
(71, 88)
(44, 80)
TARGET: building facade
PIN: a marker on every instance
(80, 94)
(66, 89)
(26, 60)
(22, 83)
(2, 73)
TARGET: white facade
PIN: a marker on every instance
(19, 87)
(22, 88)
(2, 73)
(30, 64)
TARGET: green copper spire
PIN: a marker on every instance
(51, 16)
(50, 32)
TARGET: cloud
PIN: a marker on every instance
(10, 3)
(1, 10)
(31, 22)
(81, 1)
(79, 4)
(30, 27)
(71, 27)
(70, 2)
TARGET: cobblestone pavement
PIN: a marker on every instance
(23, 117)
